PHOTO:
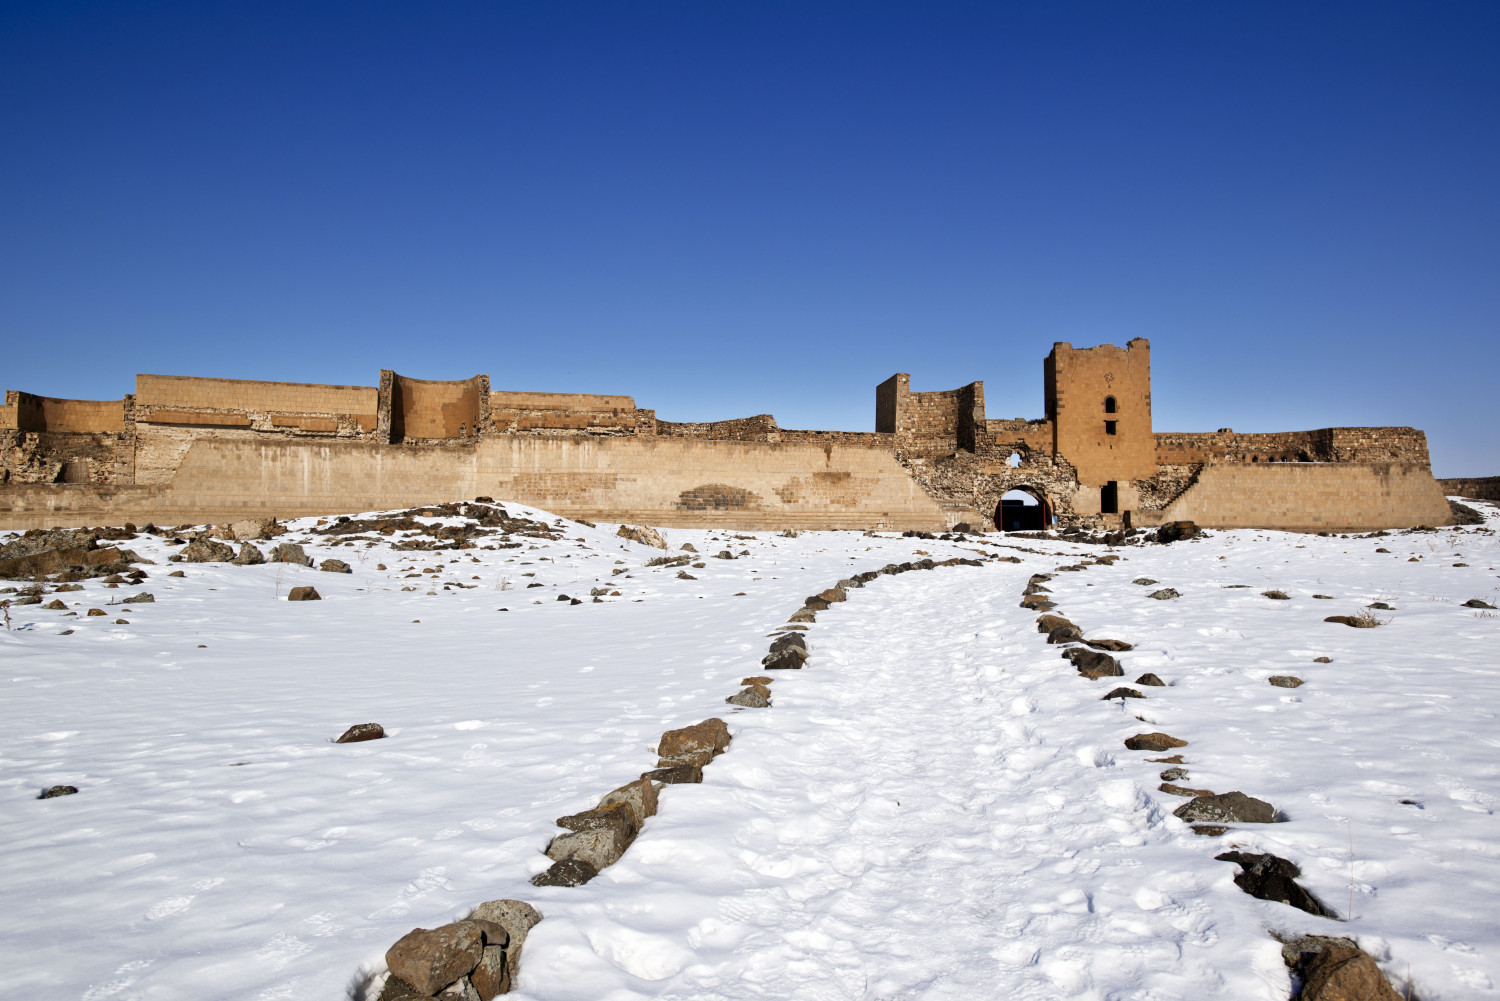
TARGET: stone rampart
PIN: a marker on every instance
(1480, 488)
(1309, 496)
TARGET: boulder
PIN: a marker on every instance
(249, 556)
(815, 604)
(1176, 790)
(568, 872)
(693, 745)
(1335, 969)
(1092, 664)
(1477, 603)
(750, 699)
(56, 604)
(360, 732)
(600, 848)
(617, 816)
(1124, 693)
(1285, 681)
(1150, 680)
(1047, 623)
(1153, 742)
(1115, 646)
(786, 660)
(491, 977)
(290, 552)
(1228, 808)
(304, 594)
(802, 615)
(1268, 877)
(645, 536)
(833, 594)
(1165, 594)
(1174, 531)
(334, 566)
(675, 774)
(207, 551)
(97, 611)
(517, 918)
(1276, 595)
(639, 796)
(1144, 581)
(1357, 621)
(52, 792)
(1064, 634)
(431, 959)
(144, 598)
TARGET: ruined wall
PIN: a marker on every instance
(1481, 488)
(567, 413)
(189, 393)
(1382, 444)
(761, 427)
(1079, 381)
(1018, 434)
(745, 485)
(1305, 496)
(423, 409)
(937, 423)
(28, 412)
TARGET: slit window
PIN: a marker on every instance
(1109, 427)
(1109, 404)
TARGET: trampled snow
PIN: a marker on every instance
(938, 806)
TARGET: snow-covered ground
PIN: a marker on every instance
(937, 807)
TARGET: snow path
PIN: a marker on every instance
(915, 818)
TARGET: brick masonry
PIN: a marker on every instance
(184, 449)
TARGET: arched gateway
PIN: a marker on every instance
(1023, 509)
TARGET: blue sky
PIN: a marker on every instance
(734, 208)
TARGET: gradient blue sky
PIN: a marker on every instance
(733, 208)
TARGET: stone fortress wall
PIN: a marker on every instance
(186, 450)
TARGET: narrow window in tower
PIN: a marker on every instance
(1109, 427)
(1109, 404)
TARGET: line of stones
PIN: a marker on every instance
(1329, 968)
(475, 959)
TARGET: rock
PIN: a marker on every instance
(617, 816)
(1042, 578)
(802, 615)
(249, 556)
(1380, 606)
(73, 587)
(568, 872)
(1338, 970)
(1035, 589)
(1064, 634)
(1228, 808)
(1124, 693)
(1324, 597)
(600, 848)
(1150, 680)
(1165, 594)
(1173, 774)
(144, 598)
(723, 554)
(757, 680)
(1176, 790)
(786, 660)
(815, 604)
(334, 566)
(1276, 595)
(97, 611)
(688, 547)
(1174, 531)
(492, 976)
(1034, 600)
(750, 699)
(1153, 742)
(290, 552)
(1092, 664)
(1477, 603)
(1322, 660)
(1268, 877)
(52, 792)
(693, 745)
(1175, 759)
(1357, 621)
(517, 918)
(789, 641)
(645, 536)
(639, 796)
(833, 595)
(207, 551)
(1047, 623)
(429, 960)
(1144, 581)
(177, 573)
(675, 774)
(361, 731)
(1210, 830)
(1116, 646)
(55, 604)
(306, 593)
(1285, 681)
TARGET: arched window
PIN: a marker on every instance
(1109, 404)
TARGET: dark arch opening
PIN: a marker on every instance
(1109, 404)
(1023, 509)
